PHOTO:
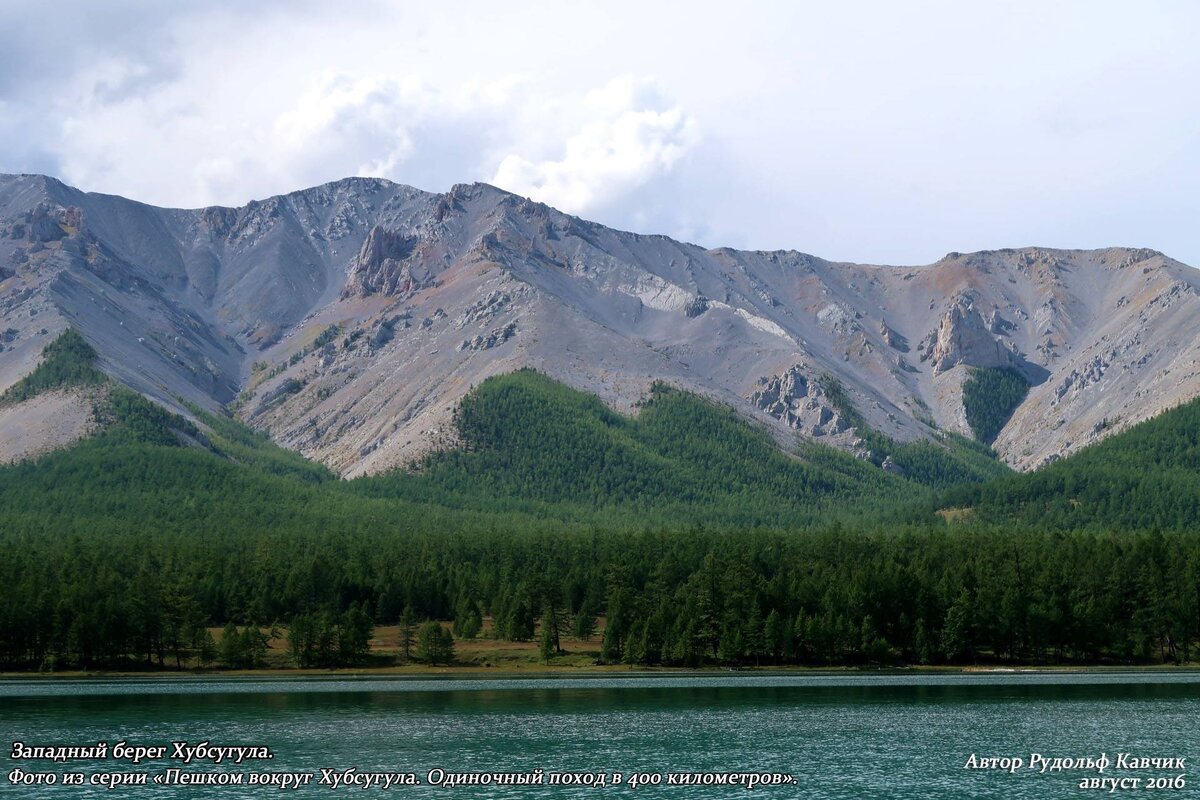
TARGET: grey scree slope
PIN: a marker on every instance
(433, 293)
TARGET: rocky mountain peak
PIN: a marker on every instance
(349, 318)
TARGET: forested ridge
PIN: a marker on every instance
(66, 361)
(1144, 478)
(952, 461)
(530, 443)
(682, 536)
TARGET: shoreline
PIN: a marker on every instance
(615, 671)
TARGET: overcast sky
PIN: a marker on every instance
(879, 132)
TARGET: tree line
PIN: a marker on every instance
(674, 597)
(681, 537)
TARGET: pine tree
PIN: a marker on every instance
(635, 645)
(203, 645)
(546, 643)
(611, 644)
(232, 647)
(753, 635)
(435, 644)
(584, 626)
(801, 636)
(773, 631)
(467, 620)
(354, 636)
(956, 628)
(407, 631)
(521, 623)
(923, 648)
(253, 647)
(302, 640)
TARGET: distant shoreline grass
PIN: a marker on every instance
(487, 656)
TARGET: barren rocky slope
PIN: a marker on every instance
(348, 319)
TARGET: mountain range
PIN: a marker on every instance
(349, 320)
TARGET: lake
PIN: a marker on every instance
(843, 735)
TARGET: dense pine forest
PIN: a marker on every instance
(989, 398)
(683, 536)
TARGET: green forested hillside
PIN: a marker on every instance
(67, 361)
(1145, 478)
(989, 398)
(952, 461)
(528, 442)
(689, 530)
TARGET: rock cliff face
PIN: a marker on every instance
(963, 337)
(348, 319)
(798, 400)
(384, 265)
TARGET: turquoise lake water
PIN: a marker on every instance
(836, 736)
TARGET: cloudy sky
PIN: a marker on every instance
(867, 131)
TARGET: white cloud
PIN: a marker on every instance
(227, 150)
(632, 137)
(367, 121)
(874, 131)
(169, 142)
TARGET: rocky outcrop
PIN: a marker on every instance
(384, 265)
(218, 221)
(799, 402)
(696, 306)
(44, 226)
(484, 309)
(491, 339)
(1081, 378)
(891, 338)
(963, 337)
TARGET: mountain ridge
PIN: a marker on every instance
(415, 297)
